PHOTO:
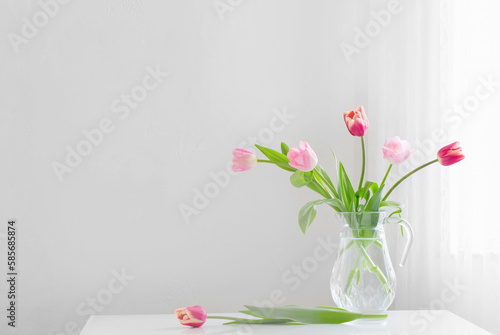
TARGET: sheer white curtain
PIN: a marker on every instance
(432, 76)
(473, 249)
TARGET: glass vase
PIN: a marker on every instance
(363, 278)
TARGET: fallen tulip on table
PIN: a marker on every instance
(195, 316)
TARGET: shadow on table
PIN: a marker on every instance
(330, 329)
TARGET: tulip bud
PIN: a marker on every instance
(396, 150)
(243, 160)
(194, 316)
(450, 154)
(356, 121)
(302, 158)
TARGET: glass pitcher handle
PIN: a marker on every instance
(409, 236)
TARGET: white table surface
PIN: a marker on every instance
(397, 323)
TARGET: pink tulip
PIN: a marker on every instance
(302, 158)
(356, 121)
(450, 154)
(396, 150)
(194, 316)
(243, 160)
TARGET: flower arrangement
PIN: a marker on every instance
(362, 280)
(343, 198)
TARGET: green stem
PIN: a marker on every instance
(351, 275)
(407, 175)
(372, 267)
(363, 166)
(222, 317)
(358, 241)
(351, 243)
(386, 174)
(345, 248)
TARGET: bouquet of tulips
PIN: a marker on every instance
(369, 196)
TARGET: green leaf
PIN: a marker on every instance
(370, 187)
(300, 178)
(335, 204)
(324, 176)
(284, 148)
(393, 204)
(248, 313)
(398, 212)
(306, 216)
(313, 315)
(346, 191)
(359, 193)
(308, 212)
(334, 157)
(396, 206)
(273, 155)
(373, 204)
(365, 193)
(276, 157)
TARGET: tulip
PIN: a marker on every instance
(396, 150)
(243, 160)
(356, 121)
(447, 155)
(302, 158)
(285, 315)
(450, 154)
(194, 316)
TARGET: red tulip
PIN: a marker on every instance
(194, 316)
(450, 154)
(356, 121)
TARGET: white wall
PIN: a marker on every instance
(118, 210)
